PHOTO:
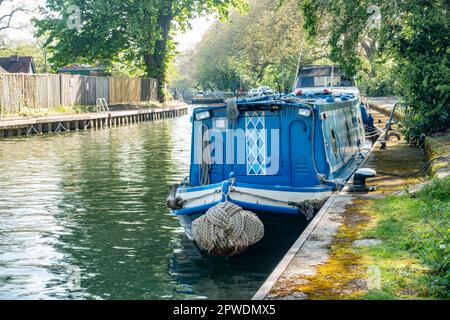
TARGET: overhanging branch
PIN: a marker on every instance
(7, 18)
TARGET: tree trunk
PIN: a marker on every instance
(156, 61)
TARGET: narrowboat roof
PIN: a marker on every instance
(306, 100)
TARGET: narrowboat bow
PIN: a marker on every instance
(276, 156)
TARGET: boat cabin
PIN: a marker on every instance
(295, 141)
(313, 78)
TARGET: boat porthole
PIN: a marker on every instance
(334, 142)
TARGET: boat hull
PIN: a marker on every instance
(276, 226)
(274, 206)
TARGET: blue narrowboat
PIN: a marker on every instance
(269, 155)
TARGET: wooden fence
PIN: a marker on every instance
(47, 91)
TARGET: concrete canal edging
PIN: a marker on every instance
(85, 121)
(311, 248)
(319, 256)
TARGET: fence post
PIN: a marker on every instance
(60, 90)
(23, 93)
(2, 91)
(36, 94)
(48, 94)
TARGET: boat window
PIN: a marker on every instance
(325, 81)
(323, 76)
(334, 142)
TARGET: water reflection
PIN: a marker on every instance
(93, 203)
(237, 277)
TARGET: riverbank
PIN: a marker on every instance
(373, 246)
(116, 116)
(412, 257)
(76, 110)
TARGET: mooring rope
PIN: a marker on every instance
(174, 202)
(227, 230)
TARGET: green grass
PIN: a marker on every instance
(32, 112)
(151, 104)
(414, 257)
(74, 109)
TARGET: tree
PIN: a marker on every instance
(10, 9)
(25, 48)
(137, 34)
(261, 47)
(413, 33)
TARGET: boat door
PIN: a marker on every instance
(302, 173)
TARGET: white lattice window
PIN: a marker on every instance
(256, 137)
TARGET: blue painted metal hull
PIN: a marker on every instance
(274, 223)
(295, 149)
(278, 200)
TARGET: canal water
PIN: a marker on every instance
(83, 216)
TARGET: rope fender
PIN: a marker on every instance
(227, 230)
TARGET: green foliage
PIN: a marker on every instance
(381, 80)
(22, 48)
(439, 190)
(434, 249)
(422, 53)
(415, 255)
(414, 33)
(135, 34)
(259, 48)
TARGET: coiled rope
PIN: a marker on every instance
(232, 111)
(227, 230)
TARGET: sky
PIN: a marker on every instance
(21, 20)
(192, 37)
(185, 40)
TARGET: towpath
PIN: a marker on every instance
(321, 265)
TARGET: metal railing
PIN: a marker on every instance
(102, 105)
